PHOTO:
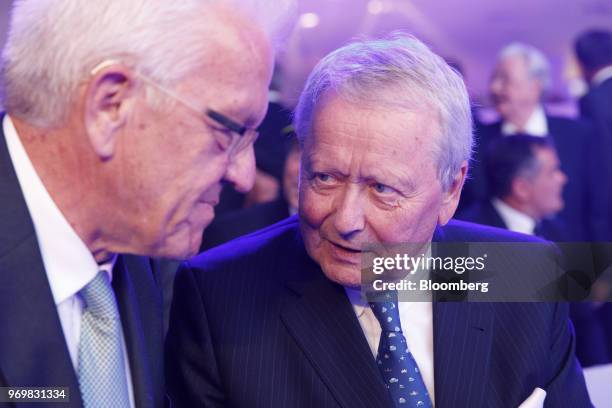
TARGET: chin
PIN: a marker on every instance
(554, 210)
(345, 275)
(173, 252)
(181, 245)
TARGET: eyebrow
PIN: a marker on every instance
(406, 184)
(227, 122)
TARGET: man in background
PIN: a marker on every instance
(526, 184)
(593, 50)
(519, 82)
(123, 119)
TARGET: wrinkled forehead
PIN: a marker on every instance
(515, 65)
(376, 129)
(373, 109)
(546, 153)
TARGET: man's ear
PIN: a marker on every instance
(521, 189)
(450, 197)
(109, 99)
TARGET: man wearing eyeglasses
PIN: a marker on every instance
(123, 120)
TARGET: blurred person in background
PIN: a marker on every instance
(593, 50)
(123, 119)
(518, 83)
(526, 184)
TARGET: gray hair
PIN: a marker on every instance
(54, 44)
(537, 64)
(403, 72)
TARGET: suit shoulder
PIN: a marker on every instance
(496, 125)
(601, 92)
(562, 125)
(476, 213)
(487, 130)
(256, 248)
(465, 231)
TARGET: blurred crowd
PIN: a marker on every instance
(531, 172)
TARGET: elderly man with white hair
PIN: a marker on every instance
(275, 319)
(123, 119)
(520, 81)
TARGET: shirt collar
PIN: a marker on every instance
(68, 262)
(601, 76)
(360, 304)
(513, 218)
(536, 124)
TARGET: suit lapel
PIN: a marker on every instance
(34, 352)
(492, 214)
(462, 333)
(142, 327)
(324, 325)
(33, 349)
(462, 342)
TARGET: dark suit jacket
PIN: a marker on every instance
(572, 139)
(33, 351)
(484, 213)
(593, 345)
(255, 323)
(244, 221)
(596, 106)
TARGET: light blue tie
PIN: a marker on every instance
(101, 371)
(395, 362)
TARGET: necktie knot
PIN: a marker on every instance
(99, 297)
(386, 311)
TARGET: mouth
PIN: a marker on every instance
(347, 249)
(211, 202)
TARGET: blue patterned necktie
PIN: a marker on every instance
(395, 362)
(102, 379)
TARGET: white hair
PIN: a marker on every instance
(402, 72)
(537, 64)
(53, 44)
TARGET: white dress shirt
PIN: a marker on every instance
(536, 125)
(68, 262)
(514, 219)
(601, 76)
(417, 326)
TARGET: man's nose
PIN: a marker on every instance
(563, 177)
(241, 170)
(495, 85)
(349, 218)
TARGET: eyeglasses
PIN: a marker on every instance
(233, 138)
